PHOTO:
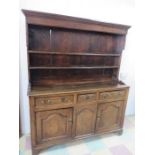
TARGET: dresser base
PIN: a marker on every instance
(36, 150)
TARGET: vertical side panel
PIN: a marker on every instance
(32, 121)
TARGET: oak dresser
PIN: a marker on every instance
(74, 90)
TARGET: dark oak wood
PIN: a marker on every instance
(60, 48)
(71, 53)
(48, 77)
(39, 38)
(74, 90)
(54, 20)
(75, 67)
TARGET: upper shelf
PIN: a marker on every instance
(76, 67)
(76, 54)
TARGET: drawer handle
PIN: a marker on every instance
(49, 102)
(87, 97)
(98, 118)
(70, 120)
(42, 102)
(63, 99)
(119, 93)
(106, 95)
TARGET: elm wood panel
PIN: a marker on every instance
(50, 77)
(48, 60)
(54, 125)
(39, 38)
(64, 40)
(85, 120)
(109, 116)
(55, 20)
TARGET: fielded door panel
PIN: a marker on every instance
(109, 116)
(54, 125)
(85, 120)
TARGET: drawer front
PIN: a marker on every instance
(112, 96)
(89, 97)
(50, 100)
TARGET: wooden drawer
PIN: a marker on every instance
(88, 97)
(112, 95)
(50, 100)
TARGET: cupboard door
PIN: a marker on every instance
(54, 125)
(109, 116)
(85, 120)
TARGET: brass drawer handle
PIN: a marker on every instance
(70, 120)
(105, 95)
(87, 97)
(98, 118)
(120, 94)
(63, 99)
(42, 101)
(49, 101)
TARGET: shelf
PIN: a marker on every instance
(76, 54)
(76, 67)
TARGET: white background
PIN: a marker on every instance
(143, 46)
(119, 11)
